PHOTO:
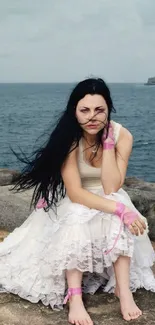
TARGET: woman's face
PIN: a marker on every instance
(92, 113)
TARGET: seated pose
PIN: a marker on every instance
(84, 232)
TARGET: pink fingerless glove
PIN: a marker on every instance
(109, 142)
(128, 216)
(120, 207)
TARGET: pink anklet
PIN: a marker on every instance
(72, 292)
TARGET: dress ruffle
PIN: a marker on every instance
(34, 257)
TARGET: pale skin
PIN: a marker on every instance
(92, 109)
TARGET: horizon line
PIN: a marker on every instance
(67, 82)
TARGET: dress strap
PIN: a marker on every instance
(116, 128)
(80, 150)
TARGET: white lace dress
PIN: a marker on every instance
(33, 258)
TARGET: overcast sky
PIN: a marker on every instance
(68, 40)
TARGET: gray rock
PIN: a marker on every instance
(15, 208)
(7, 176)
(103, 308)
(142, 195)
(134, 182)
(150, 82)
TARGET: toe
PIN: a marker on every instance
(83, 322)
(89, 322)
(77, 323)
(134, 315)
(126, 316)
(139, 312)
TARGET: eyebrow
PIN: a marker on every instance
(89, 108)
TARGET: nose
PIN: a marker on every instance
(92, 116)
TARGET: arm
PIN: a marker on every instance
(115, 162)
(77, 194)
(71, 177)
(123, 152)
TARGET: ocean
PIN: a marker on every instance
(27, 111)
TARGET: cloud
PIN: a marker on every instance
(67, 40)
(146, 10)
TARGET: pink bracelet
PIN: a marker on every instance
(111, 143)
(108, 145)
(120, 207)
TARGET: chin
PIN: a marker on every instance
(92, 131)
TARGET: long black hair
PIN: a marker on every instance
(43, 171)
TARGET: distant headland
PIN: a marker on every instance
(150, 82)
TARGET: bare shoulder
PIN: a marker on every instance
(72, 155)
(125, 136)
(124, 144)
(70, 172)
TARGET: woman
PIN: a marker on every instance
(84, 231)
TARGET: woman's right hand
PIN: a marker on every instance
(138, 225)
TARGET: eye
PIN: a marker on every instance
(84, 110)
(100, 110)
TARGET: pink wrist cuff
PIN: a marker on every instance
(108, 145)
(120, 207)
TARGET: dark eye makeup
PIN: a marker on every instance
(99, 109)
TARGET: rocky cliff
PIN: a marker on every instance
(151, 81)
(103, 308)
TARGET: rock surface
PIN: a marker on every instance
(103, 308)
(142, 195)
(15, 208)
(151, 81)
(8, 176)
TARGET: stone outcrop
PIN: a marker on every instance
(150, 82)
(103, 308)
(15, 208)
(7, 176)
(142, 195)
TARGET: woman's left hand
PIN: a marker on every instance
(108, 139)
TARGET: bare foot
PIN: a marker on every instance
(77, 312)
(129, 308)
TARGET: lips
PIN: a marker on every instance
(92, 126)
